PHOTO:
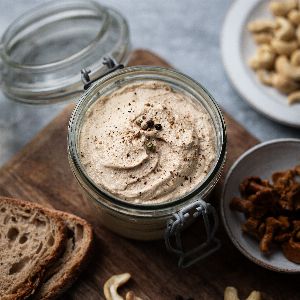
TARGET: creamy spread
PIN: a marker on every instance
(147, 143)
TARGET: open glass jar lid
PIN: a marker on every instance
(43, 51)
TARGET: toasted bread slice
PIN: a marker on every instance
(31, 239)
(66, 269)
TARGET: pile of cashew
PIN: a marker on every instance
(277, 58)
(111, 288)
(231, 293)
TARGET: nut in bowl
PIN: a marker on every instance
(277, 57)
(263, 161)
(250, 35)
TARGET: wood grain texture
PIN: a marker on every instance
(40, 173)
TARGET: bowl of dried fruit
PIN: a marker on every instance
(260, 205)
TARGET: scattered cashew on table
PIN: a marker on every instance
(232, 294)
(113, 283)
(111, 288)
(277, 58)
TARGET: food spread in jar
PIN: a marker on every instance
(147, 143)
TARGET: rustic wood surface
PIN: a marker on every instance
(40, 172)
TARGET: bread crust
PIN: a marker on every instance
(35, 278)
(71, 271)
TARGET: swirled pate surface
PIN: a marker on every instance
(147, 143)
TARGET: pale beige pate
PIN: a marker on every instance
(147, 143)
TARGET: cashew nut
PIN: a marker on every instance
(255, 295)
(263, 38)
(298, 34)
(278, 81)
(284, 47)
(231, 293)
(112, 284)
(282, 8)
(284, 67)
(259, 26)
(263, 59)
(265, 76)
(295, 58)
(284, 30)
(284, 84)
(131, 296)
(294, 16)
(294, 97)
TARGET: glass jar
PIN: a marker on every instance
(43, 51)
(150, 221)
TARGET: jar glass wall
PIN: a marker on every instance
(142, 221)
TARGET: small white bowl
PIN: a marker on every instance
(261, 160)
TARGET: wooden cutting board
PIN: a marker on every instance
(41, 173)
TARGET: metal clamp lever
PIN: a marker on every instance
(107, 61)
(179, 221)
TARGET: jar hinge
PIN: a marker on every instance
(107, 61)
(179, 221)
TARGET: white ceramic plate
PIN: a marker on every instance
(237, 47)
(262, 160)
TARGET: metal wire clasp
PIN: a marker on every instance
(179, 221)
(107, 61)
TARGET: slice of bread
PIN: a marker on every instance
(31, 239)
(67, 268)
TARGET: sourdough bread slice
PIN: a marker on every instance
(31, 239)
(66, 269)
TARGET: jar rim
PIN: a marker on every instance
(74, 156)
